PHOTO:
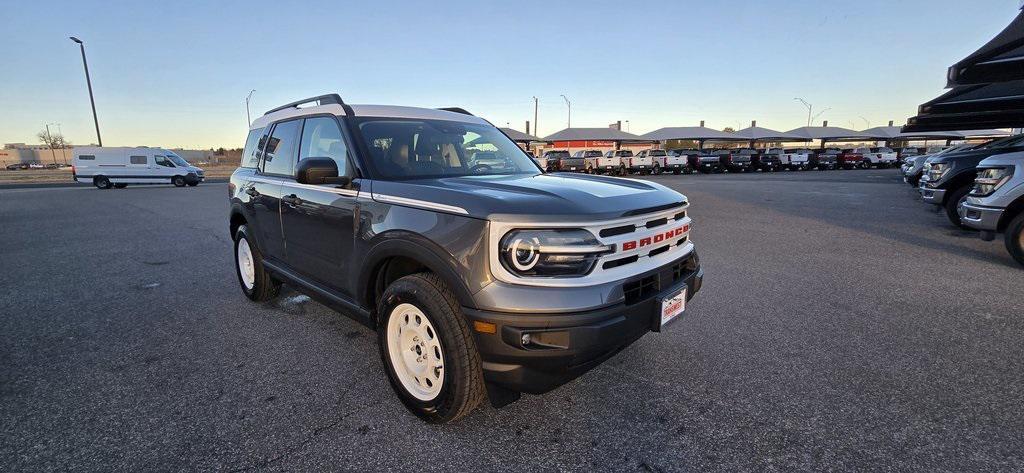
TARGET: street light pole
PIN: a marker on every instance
(568, 120)
(247, 97)
(49, 142)
(809, 108)
(88, 82)
(536, 132)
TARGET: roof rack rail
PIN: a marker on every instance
(457, 110)
(320, 100)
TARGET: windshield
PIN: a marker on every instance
(592, 154)
(177, 160)
(657, 152)
(415, 149)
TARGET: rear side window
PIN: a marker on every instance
(321, 138)
(251, 153)
(279, 155)
(87, 157)
(137, 159)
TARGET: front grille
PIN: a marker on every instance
(638, 290)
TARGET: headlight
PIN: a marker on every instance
(990, 179)
(550, 253)
(937, 170)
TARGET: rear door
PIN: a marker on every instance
(276, 166)
(318, 221)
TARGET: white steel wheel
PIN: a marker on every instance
(246, 266)
(414, 348)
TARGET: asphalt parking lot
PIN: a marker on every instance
(841, 326)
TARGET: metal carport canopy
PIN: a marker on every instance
(827, 133)
(756, 133)
(999, 60)
(518, 136)
(889, 133)
(699, 133)
(595, 134)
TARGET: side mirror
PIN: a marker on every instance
(319, 171)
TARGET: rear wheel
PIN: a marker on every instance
(953, 202)
(256, 282)
(178, 181)
(102, 182)
(428, 350)
(657, 169)
(1015, 238)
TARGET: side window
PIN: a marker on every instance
(137, 159)
(251, 153)
(163, 161)
(87, 157)
(279, 156)
(321, 138)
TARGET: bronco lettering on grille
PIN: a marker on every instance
(657, 238)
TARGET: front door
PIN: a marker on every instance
(318, 220)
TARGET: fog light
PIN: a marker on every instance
(526, 339)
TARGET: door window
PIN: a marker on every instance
(321, 138)
(279, 156)
(163, 161)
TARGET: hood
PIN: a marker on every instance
(973, 156)
(1015, 159)
(541, 197)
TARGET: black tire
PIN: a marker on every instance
(193, 184)
(101, 182)
(657, 170)
(675, 171)
(462, 388)
(1014, 237)
(178, 181)
(264, 286)
(953, 201)
(120, 186)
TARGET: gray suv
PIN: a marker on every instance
(482, 275)
(996, 202)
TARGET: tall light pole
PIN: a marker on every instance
(536, 132)
(818, 115)
(247, 97)
(49, 142)
(809, 108)
(627, 126)
(88, 82)
(568, 120)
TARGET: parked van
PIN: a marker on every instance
(106, 167)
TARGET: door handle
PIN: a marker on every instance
(252, 192)
(292, 200)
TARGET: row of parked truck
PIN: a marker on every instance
(978, 186)
(685, 161)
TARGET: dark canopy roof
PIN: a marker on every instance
(518, 136)
(972, 106)
(987, 88)
(594, 134)
(894, 133)
(827, 133)
(999, 60)
(756, 133)
(690, 133)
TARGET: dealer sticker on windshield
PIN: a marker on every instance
(672, 307)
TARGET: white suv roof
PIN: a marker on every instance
(389, 111)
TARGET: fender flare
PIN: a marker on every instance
(413, 246)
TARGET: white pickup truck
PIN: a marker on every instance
(878, 157)
(664, 161)
(610, 163)
(793, 159)
(640, 163)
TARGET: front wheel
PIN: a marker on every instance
(178, 181)
(120, 186)
(657, 170)
(1014, 237)
(428, 350)
(953, 203)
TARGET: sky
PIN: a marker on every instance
(176, 74)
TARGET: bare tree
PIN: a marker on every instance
(54, 141)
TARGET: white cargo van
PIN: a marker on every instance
(107, 167)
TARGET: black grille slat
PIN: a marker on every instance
(619, 262)
(658, 222)
(620, 230)
(658, 251)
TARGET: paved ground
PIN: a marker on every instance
(841, 326)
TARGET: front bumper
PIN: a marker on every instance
(980, 217)
(564, 346)
(933, 196)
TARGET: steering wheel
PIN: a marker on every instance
(480, 169)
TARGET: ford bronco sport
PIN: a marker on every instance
(483, 278)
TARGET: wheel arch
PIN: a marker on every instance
(407, 254)
(1012, 210)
